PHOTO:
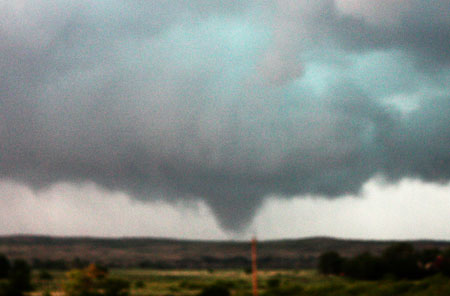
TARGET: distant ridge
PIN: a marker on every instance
(150, 252)
(87, 237)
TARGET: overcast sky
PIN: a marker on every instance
(220, 119)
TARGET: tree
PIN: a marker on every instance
(330, 263)
(20, 276)
(93, 281)
(96, 272)
(444, 262)
(365, 267)
(79, 284)
(402, 261)
(4, 266)
(428, 261)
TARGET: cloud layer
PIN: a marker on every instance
(227, 103)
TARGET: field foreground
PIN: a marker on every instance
(279, 282)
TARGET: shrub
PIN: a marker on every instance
(96, 272)
(273, 283)
(78, 284)
(115, 287)
(428, 255)
(444, 262)
(330, 263)
(20, 276)
(402, 261)
(365, 267)
(215, 290)
(4, 266)
(89, 282)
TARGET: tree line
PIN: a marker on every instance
(400, 261)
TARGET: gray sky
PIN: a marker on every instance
(216, 119)
(410, 209)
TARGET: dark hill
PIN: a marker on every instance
(172, 253)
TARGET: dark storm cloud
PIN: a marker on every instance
(223, 101)
(420, 145)
(428, 40)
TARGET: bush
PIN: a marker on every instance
(330, 263)
(428, 261)
(4, 266)
(444, 262)
(402, 261)
(20, 276)
(428, 255)
(89, 282)
(273, 283)
(95, 271)
(215, 290)
(365, 267)
(78, 284)
(398, 261)
(115, 287)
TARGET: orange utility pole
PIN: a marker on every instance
(254, 268)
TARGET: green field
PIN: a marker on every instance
(304, 282)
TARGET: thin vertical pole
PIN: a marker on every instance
(254, 268)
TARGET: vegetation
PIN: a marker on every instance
(94, 281)
(4, 266)
(53, 253)
(15, 278)
(399, 261)
(330, 263)
(139, 284)
(215, 290)
(236, 282)
(397, 270)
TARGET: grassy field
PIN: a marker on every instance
(304, 282)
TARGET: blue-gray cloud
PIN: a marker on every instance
(227, 102)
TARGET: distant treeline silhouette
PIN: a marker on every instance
(400, 261)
